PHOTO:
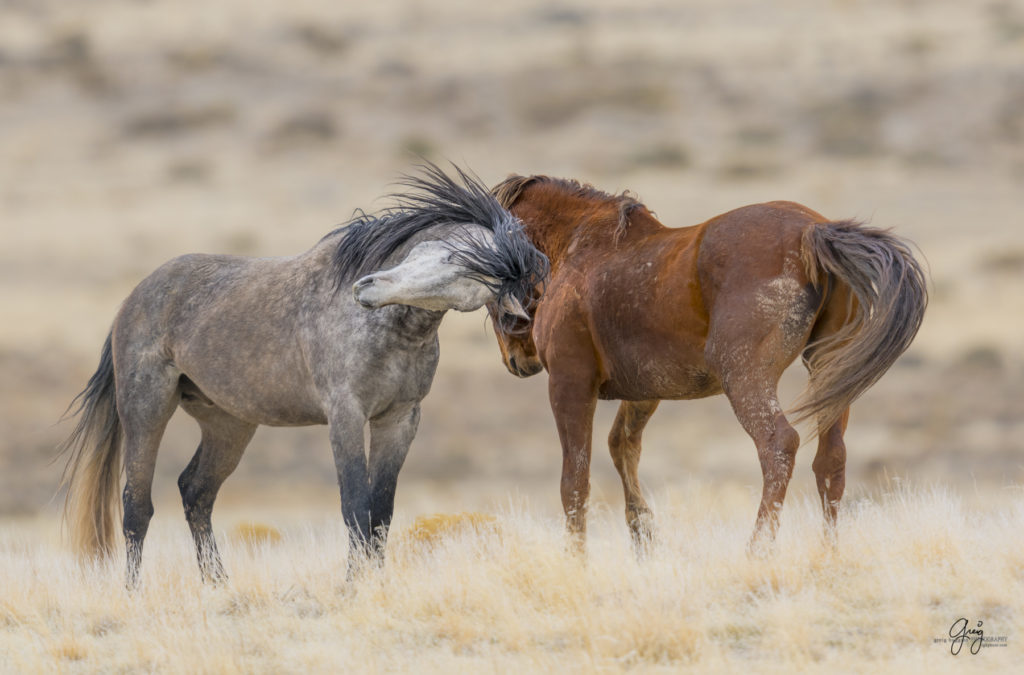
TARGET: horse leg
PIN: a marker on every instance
(749, 369)
(146, 399)
(756, 405)
(758, 328)
(830, 470)
(624, 445)
(390, 437)
(346, 425)
(830, 460)
(224, 439)
(573, 405)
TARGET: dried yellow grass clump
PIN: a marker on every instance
(254, 535)
(429, 530)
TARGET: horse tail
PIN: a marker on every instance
(93, 470)
(886, 304)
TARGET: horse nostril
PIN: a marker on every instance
(512, 364)
(362, 283)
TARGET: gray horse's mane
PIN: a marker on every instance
(513, 267)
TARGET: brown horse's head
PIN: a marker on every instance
(515, 341)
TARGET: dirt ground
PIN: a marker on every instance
(131, 132)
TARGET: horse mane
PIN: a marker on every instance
(509, 264)
(508, 191)
(435, 199)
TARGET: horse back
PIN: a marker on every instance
(233, 326)
(650, 300)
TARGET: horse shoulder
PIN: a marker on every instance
(561, 326)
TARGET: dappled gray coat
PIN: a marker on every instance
(238, 342)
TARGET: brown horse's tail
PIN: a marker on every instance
(93, 470)
(889, 296)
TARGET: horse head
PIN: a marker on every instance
(515, 340)
(464, 272)
(469, 250)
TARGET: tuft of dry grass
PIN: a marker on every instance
(501, 593)
(430, 530)
(254, 535)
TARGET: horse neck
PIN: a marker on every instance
(556, 229)
(409, 324)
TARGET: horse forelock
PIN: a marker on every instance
(434, 199)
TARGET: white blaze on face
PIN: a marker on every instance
(428, 279)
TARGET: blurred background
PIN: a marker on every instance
(132, 131)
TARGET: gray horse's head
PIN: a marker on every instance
(469, 251)
(441, 275)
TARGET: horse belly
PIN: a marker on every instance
(274, 397)
(257, 409)
(648, 379)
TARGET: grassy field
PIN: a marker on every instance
(133, 132)
(507, 597)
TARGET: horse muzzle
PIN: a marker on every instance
(364, 290)
(523, 366)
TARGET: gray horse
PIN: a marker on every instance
(238, 342)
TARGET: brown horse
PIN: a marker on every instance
(639, 312)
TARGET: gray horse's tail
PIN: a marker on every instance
(93, 470)
(889, 298)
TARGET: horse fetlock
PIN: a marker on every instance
(210, 566)
(576, 543)
(642, 530)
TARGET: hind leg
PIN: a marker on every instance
(224, 439)
(830, 470)
(146, 399)
(624, 445)
(756, 404)
(749, 372)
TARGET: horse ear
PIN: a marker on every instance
(510, 305)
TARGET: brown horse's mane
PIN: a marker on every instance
(626, 203)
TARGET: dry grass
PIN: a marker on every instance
(497, 599)
(255, 535)
(428, 531)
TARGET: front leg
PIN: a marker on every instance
(573, 400)
(390, 437)
(346, 424)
